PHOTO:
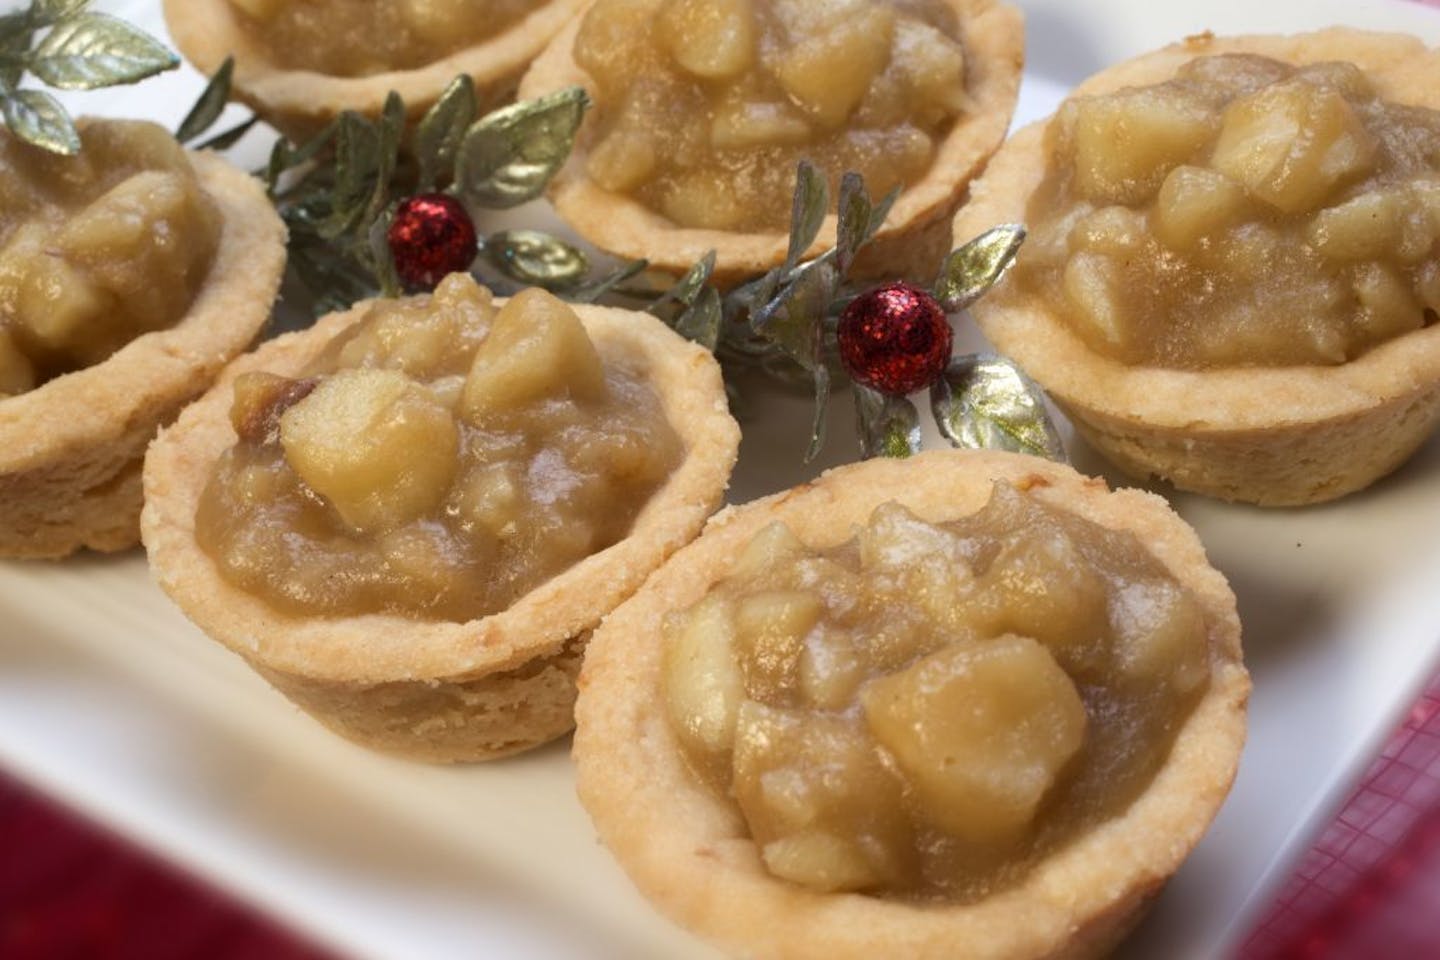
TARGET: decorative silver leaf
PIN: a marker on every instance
(700, 321)
(357, 157)
(854, 214)
(37, 118)
(977, 266)
(438, 135)
(95, 50)
(47, 12)
(860, 220)
(794, 320)
(887, 426)
(226, 139)
(984, 402)
(286, 156)
(688, 287)
(17, 32)
(536, 258)
(209, 105)
(389, 132)
(380, 257)
(880, 212)
(590, 292)
(509, 155)
(807, 211)
(822, 409)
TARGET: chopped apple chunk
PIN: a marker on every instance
(374, 444)
(703, 684)
(982, 729)
(536, 348)
(1292, 144)
(1362, 228)
(1161, 634)
(1041, 586)
(1125, 144)
(773, 545)
(1196, 203)
(798, 778)
(820, 860)
(622, 161)
(742, 123)
(771, 627)
(713, 39)
(808, 70)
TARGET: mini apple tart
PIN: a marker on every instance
(130, 274)
(299, 63)
(703, 109)
(1232, 278)
(968, 698)
(410, 518)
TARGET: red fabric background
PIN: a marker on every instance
(67, 890)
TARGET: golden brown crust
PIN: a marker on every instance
(687, 848)
(335, 666)
(491, 716)
(1268, 435)
(300, 102)
(916, 234)
(70, 450)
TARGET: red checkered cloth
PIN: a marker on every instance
(1370, 886)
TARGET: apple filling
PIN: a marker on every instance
(357, 38)
(96, 249)
(1245, 213)
(705, 106)
(925, 710)
(441, 459)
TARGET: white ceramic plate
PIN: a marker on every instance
(111, 701)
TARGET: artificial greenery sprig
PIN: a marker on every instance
(785, 322)
(338, 190)
(63, 44)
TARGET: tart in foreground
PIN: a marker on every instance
(409, 518)
(130, 274)
(702, 109)
(969, 698)
(298, 65)
(1232, 275)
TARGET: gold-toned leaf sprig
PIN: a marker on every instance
(65, 45)
(984, 401)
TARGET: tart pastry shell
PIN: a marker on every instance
(687, 847)
(440, 691)
(299, 102)
(71, 449)
(916, 235)
(1275, 436)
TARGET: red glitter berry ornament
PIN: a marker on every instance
(894, 339)
(431, 236)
